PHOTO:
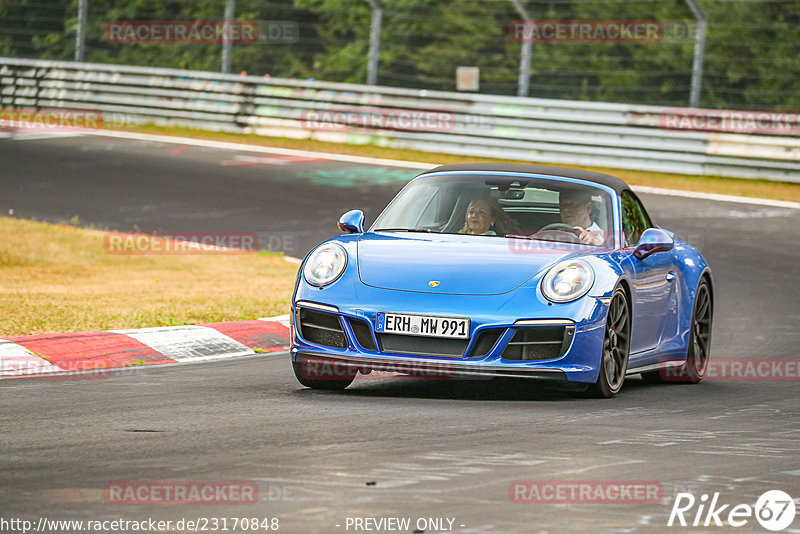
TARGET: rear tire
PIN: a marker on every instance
(616, 348)
(340, 376)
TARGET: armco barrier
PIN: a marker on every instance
(528, 129)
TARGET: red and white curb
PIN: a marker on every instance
(59, 354)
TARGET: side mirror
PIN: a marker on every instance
(653, 240)
(352, 222)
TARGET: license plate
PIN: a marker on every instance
(423, 325)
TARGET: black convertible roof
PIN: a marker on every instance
(590, 176)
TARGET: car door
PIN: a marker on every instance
(653, 279)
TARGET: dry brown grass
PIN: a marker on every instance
(707, 184)
(58, 278)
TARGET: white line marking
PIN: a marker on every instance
(34, 135)
(717, 197)
(240, 160)
(263, 149)
(409, 164)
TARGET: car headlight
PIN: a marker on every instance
(567, 281)
(325, 264)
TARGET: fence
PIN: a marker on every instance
(677, 140)
(707, 53)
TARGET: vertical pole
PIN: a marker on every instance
(227, 43)
(525, 57)
(80, 38)
(374, 42)
(699, 53)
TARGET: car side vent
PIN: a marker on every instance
(363, 333)
(539, 343)
(486, 340)
(321, 328)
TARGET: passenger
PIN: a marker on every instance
(576, 211)
(484, 216)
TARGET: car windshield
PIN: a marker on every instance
(500, 206)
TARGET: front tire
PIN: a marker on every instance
(616, 347)
(330, 376)
(694, 370)
(700, 335)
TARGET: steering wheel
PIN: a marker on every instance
(569, 233)
(562, 227)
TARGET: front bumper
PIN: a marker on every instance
(360, 348)
(417, 367)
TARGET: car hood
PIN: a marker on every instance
(454, 264)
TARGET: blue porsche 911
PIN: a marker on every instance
(500, 270)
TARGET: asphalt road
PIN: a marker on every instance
(406, 448)
(290, 203)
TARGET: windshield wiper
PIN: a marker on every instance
(423, 230)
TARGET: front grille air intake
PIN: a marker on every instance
(422, 346)
(485, 341)
(321, 328)
(363, 333)
(539, 343)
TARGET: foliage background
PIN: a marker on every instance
(752, 51)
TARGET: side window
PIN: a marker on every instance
(634, 219)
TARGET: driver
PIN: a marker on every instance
(576, 211)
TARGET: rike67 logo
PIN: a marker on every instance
(774, 510)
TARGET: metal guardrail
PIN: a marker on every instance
(527, 129)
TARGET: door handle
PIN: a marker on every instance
(670, 276)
